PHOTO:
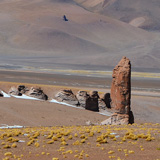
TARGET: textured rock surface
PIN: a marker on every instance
(121, 94)
(92, 102)
(67, 96)
(82, 96)
(37, 93)
(94, 94)
(121, 86)
(107, 100)
(22, 89)
(18, 91)
(14, 91)
(116, 119)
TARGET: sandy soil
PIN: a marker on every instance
(144, 103)
(41, 117)
(82, 142)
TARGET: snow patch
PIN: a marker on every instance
(26, 97)
(10, 127)
(63, 103)
(5, 95)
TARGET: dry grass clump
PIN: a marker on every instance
(81, 142)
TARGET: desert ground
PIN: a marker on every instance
(55, 131)
(38, 48)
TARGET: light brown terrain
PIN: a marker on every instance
(33, 33)
(39, 115)
(39, 49)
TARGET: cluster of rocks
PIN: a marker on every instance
(90, 101)
(32, 92)
(118, 100)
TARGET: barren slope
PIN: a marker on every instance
(36, 29)
(139, 13)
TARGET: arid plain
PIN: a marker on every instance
(39, 49)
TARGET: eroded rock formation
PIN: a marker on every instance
(14, 91)
(37, 93)
(121, 94)
(92, 102)
(82, 96)
(67, 96)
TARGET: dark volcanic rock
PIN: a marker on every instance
(37, 93)
(107, 100)
(82, 96)
(92, 102)
(22, 89)
(94, 94)
(1, 94)
(67, 96)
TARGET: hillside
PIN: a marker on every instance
(139, 13)
(34, 33)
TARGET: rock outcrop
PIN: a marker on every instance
(121, 94)
(37, 93)
(92, 102)
(105, 101)
(67, 96)
(121, 86)
(22, 89)
(14, 91)
(82, 96)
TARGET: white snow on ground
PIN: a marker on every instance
(26, 97)
(5, 95)
(15, 126)
(63, 103)
(105, 114)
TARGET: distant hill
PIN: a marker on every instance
(93, 35)
(139, 13)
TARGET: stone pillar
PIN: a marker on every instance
(121, 87)
(121, 94)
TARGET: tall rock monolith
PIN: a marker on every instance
(121, 94)
(121, 86)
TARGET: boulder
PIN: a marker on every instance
(116, 119)
(101, 104)
(107, 100)
(67, 96)
(94, 94)
(37, 93)
(82, 96)
(14, 91)
(22, 89)
(92, 102)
